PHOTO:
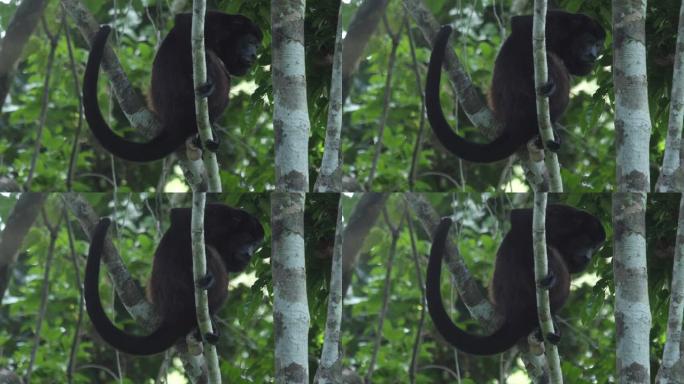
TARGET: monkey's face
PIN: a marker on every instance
(576, 234)
(235, 39)
(234, 233)
(245, 55)
(585, 49)
(579, 40)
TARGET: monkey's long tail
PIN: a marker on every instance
(157, 148)
(158, 341)
(504, 338)
(499, 149)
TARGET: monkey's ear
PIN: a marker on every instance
(521, 24)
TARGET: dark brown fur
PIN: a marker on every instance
(230, 41)
(572, 236)
(573, 42)
(230, 236)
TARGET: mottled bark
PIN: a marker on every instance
(290, 303)
(632, 309)
(290, 115)
(541, 77)
(632, 118)
(199, 270)
(199, 78)
(541, 271)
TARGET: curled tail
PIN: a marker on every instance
(158, 341)
(159, 147)
(499, 149)
(503, 339)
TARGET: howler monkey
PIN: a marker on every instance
(573, 43)
(572, 236)
(231, 43)
(230, 235)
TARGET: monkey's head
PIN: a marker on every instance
(235, 39)
(575, 233)
(574, 37)
(233, 233)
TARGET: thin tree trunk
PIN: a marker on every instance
(667, 182)
(357, 228)
(290, 115)
(632, 310)
(329, 369)
(199, 271)
(290, 303)
(632, 118)
(541, 78)
(672, 352)
(19, 29)
(330, 177)
(17, 225)
(541, 270)
(199, 78)
(360, 29)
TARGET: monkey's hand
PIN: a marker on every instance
(211, 338)
(553, 338)
(206, 89)
(548, 281)
(551, 145)
(210, 145)
(547, 89)
(213, 145)
(206, 281)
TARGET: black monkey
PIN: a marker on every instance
(573, 43)
(231, 43)
(230, 235)
(572, 236)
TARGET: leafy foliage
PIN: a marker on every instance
(587, 153)
(246, 153)
(588, 344)
(246, 321)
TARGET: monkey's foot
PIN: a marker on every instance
(548, 281)
(206, 89)
(206, 281)
(547, 89)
